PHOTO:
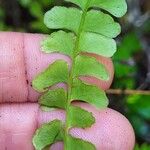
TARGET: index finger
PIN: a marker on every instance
(21, 59)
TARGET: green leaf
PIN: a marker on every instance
(63, 18)
(144, 146)
(124, 70)
(79, 117)
(54, 98)
(24, 3)
(136, 104)
(55, 73)
(101, 23)
(129, 45)
(78, 144)
(80, 3)
(116, 7)
(34, 8)
(47, 134)
(89, 66)
(59, 42)
(89, 93)
(98, 44)
(124, 83)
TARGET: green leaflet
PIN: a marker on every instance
(97, 44)
(101, 23)
(54, 98)
(89, 93)
(47, 134)
(88, 66)
(55, 73)
(59, 42)
(116, 7)
(79, 144)
(79, 117)
(63, 18)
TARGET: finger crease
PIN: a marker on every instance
(25, 66)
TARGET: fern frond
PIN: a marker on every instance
(82, 29)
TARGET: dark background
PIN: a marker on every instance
(132, 60)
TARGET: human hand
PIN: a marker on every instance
(20, 61)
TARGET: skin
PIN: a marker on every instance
(20, 115)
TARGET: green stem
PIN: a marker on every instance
(70, 81)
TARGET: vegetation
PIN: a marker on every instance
(84, 27)
(131, 61)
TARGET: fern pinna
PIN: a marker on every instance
(81, 29)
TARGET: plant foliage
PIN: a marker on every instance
(84, 28)
(138, 107)
(125, 61)
(142, 147)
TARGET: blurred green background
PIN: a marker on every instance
(132, 60)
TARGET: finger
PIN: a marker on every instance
(21, 59)
(111, 131)
(12, 68)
